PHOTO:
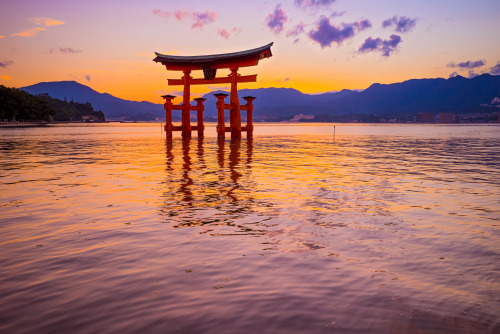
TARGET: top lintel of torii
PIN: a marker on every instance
(214, 62)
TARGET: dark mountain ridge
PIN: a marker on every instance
(113, 107)
(457, 94)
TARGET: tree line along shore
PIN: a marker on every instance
(17, 106)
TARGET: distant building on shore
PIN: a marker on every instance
(446, 117)
(300, 117)
(425, 117)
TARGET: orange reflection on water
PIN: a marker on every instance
(378, 229)
(218, 191)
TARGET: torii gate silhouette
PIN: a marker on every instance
(209, 64)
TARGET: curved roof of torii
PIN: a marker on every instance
(224, 60)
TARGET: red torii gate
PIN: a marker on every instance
(210, 64)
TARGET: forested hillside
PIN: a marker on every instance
(16, 105)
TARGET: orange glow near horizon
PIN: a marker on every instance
(311, 52)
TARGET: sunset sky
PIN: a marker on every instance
(319, 45)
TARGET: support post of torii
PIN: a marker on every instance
(209, 65)
(234, 115)
(249, 108)
(168, 114)
(186, 112)
(221, 126)
(199, 115)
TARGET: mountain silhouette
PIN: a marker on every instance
(456, 94)
(111, 106)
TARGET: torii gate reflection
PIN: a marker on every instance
(235, 164)
(196, 186)
(209, 64)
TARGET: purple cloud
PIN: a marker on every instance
(468, 64)
(370, 44)
(337, 14)
(69, 50)
(363, 24)
(454, 74)
(472, 74)
(402, 24)
(312, 4)
(65, 50)
(495, 70)
(386, 47)
(87, 77)
(6, 63)
(202, 19)
(327, 33)
(276, 20)
(297, 30)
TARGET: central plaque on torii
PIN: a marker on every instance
(209, 64)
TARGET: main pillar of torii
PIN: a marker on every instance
(209, 65)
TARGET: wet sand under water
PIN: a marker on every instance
(378, 229)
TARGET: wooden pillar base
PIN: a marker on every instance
(249, 108)
(221, 127)
(199, 116)
(168, 115)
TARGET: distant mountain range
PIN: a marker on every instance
(111, 106)
(457, 94)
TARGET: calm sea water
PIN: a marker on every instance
(376, 229)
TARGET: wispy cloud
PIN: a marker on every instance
(45, 21)
(472, 74)
(454, 74)
(468, 64)
(337, 14)
(4, 64)
(401, 24)
(312, 4)
(69, 50)
(386, 47)
(87, 77)
(495, 70)
(327, 33)
(5, 77)
(223, 33)
(276, 20)
(65, 50)
(2, 36)
(180, 14)
(29, 32)
(161, 13)
(200, 19)
(227, 33)
(297, 30)
(39, 21)
(216, 88)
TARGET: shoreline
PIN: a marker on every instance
(22, 124)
